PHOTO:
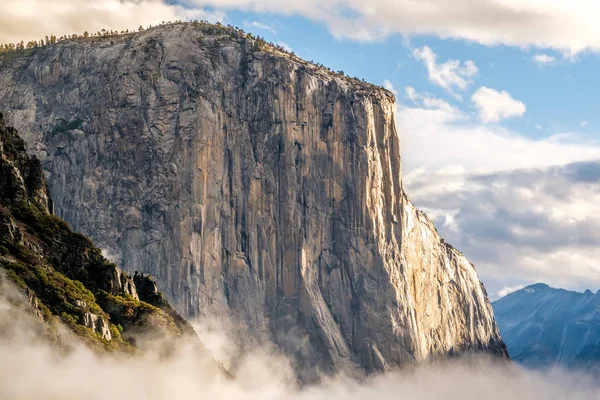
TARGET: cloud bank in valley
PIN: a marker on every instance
(32, 369)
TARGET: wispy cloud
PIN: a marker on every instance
(543, 59)
(443, 110)
(286, 46)
(259, 25)
(389, 86)
(449, 75)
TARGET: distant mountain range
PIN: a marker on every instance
(543, 327)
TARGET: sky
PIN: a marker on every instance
(497, 108)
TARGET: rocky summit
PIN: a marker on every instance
(259, 189)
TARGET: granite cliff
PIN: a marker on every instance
(258, 188)
(62, 278)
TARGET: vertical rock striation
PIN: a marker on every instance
(255, 186)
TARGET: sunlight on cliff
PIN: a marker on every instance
(32, 368)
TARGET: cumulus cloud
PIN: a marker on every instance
(32, 368)
(543, 59)
(285, 46)
(34, 19)
(495, 105)
(449, 75)
(527, 225)
(437, 109)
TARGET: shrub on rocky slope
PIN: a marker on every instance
(65, 277)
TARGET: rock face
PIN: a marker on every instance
(255, 186)
(61, 274)
(545, 327)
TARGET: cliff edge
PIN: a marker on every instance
(258, 188)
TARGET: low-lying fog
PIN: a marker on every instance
(33, 369)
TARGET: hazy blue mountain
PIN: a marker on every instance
(543, 326)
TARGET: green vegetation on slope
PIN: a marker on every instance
(68, 276)
(11, 51)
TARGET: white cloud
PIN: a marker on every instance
(494, 105)
(389, 86)
(33, 367)
(34, 19)
(519, 226)
(570, 26)
(259, 25)
(285, 46)
(505, 291)
(436, 138)
(433, 105)
(449, 75)
(584, 123)
(531, 223)
(543, 59)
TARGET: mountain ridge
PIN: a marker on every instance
(545, 327)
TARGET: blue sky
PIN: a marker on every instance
(497, 108)
(559, 97)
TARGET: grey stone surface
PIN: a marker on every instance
(256, 188)
(97, 324)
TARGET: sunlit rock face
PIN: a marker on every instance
(257, 188)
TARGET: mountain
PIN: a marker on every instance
(64, 277)
(259, 189)
(543, 327)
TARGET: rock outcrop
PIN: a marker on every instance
(61, 274)
(256, 187)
